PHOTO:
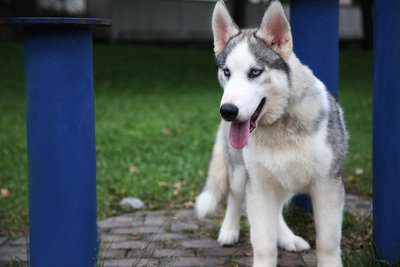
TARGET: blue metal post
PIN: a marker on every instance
(61, 140)
(386, 129)
(315, 30)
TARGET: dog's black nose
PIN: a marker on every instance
(229, 112)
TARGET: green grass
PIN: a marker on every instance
(355, 85)
(13, 162)
(155, 123)
(156, 118)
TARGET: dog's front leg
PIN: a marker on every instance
(328, 202)
(263, 208)
(229, 233)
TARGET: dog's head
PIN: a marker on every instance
(252, 69)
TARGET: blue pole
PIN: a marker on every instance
(315, 30)
(61, 140)
(386, 129)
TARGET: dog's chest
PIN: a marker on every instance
(292, 166)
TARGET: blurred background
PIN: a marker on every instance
(177, 20)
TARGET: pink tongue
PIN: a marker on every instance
(239, 134)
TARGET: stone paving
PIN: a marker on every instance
(159, 238)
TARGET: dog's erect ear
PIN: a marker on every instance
(275, 30)
(223, 27)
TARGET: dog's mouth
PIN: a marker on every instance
(256, 114)
(240, 131)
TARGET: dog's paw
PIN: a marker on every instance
(206, 203)
(293, 243)
(228, 237)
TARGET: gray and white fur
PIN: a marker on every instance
(282, 134)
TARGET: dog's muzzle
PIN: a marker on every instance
(229, 111)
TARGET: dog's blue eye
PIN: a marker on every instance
(227, 72)
(254, 73)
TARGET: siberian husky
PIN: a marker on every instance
(282, 133)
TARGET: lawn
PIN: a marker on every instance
(156, 117)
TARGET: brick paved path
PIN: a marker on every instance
(155, 238)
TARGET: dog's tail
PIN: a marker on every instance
(217, 183)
